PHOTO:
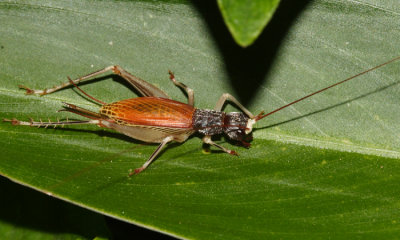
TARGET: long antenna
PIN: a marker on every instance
(324, 89)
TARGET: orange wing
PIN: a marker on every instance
(150, 111)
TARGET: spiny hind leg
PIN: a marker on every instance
(188, 90)
(45, 124)
(153, 156)
(207, 139)
(96, 118)
(145, 88)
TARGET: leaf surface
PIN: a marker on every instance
(327, 167)
(247, 19)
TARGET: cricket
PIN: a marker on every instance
(156, 118)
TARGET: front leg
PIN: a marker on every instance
(227, 96)
(145, 88)
(207, 139)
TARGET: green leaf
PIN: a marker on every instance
(247, 19)
(327, 167)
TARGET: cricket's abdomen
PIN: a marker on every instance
(150, 111)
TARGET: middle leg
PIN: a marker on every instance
(207, 139)
(188, 90)
(153, 156)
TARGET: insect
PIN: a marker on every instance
(156, 118)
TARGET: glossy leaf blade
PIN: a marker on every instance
(325, 168)
(246, 19)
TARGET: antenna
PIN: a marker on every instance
(260, 116)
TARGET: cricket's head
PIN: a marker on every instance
(238, 126)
